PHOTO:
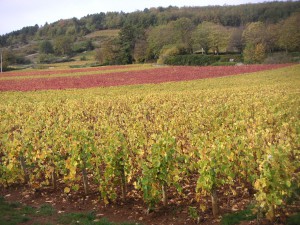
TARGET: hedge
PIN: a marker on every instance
(192, 60)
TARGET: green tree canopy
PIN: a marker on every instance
(46, 47)
(158, 37)
(63, 45)
(255, 33)
(211, 36)
(289, 33)
(200, 38)
(236, 40)
(182, 31)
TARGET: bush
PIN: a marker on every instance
(83, 58)
(46, 47)
(20, 59)
(224, 63)
(83, 46)
(168, 51)
(49, 58)
(31, 50)
(295, 54)
(282, 57)
(87, 65)
(276, 58)
(192, 60)
(254, 53)
(235, 57)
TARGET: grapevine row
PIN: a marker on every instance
(155, 142)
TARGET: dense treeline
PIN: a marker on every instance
(254, 41)
(156, 33)
(225, 15)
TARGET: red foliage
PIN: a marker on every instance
(158, 75)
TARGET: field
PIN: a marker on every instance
(116, 76)
(131, 143)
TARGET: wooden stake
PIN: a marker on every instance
(214, 202)
(85, 179)
(23, 166)
(164, 195)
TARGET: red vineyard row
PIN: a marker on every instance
(160, 75)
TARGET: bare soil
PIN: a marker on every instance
(133, 208)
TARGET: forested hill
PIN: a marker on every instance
(235, 16)
(140, 36)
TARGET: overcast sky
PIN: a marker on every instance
(15, 14)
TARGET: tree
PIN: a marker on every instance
(127, 37)
(218, 38)
(255, 33)
(254, 36)
(158, 37)
(289, 35)
(211, 36)
(177, 32)
(8, 58)
(108, 54)
(171, 50)
(140, 50)
(236, 40)
(46, 47)
(254, 53)
(260, 53)
(200, 38)
(99, 56)
(4, 61)
(273, 32)
(182, 32)
(63, 45)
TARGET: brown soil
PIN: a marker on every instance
(132, 209)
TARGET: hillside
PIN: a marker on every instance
(146, 36)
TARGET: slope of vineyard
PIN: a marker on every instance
(117, 76)
(155, 141)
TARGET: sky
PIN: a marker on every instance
(16, 14)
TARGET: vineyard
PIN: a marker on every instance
(194, 141)
(117, 75)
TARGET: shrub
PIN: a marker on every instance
(46, 47)
(276, 58)
(192, 60)
(168, 51)
(235, 57)
(20, 59)
(83, 58)
(224, 63)
(83, 46)
(254, 53)
(49, 58)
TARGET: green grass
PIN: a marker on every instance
(77, 218)
(294, 219)
(88, 218)
(16, 213)
(237, 217)
(46, 210)
(224, 64)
